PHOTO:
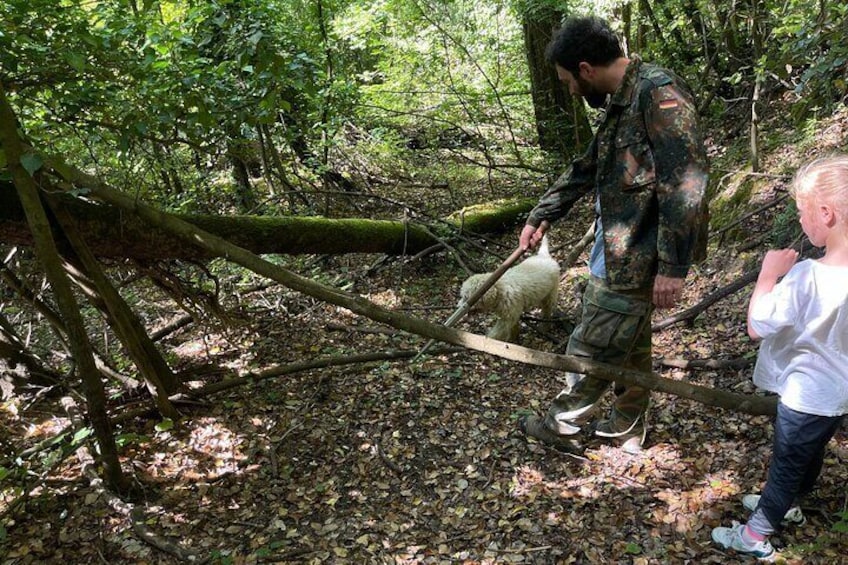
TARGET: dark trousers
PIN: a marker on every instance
(799, 445)
(615, 328)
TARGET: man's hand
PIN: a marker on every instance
(531, 235)
(667, 291)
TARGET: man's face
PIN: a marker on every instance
(578, 86)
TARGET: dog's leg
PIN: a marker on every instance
(505, 328)
(502, 330)
(548, 308)
(513, 332)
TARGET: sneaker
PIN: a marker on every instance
(630, 436)
(534, 426)
(793, 516)
(731, 538)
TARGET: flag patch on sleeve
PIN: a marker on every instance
(668, 104)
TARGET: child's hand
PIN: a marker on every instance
(777, 263)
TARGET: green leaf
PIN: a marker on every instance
(4, 472)
(31, 162)
(123, 440)
(81, 435)
(632, 548)
(75, 60)
(165, 425)
(255, 37)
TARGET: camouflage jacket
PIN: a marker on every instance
(648, 164)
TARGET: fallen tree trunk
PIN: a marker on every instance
(114, 233)
(217, 246)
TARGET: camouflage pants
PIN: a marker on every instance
(615, 328)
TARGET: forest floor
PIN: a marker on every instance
(408, 463)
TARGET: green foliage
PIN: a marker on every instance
(81, 436)
(725, 207)
(156, 97)
(165, 425)
(123, 440)
(841, 525)
(447, 100)
(785, 228)
(633, 548)
(812, 51)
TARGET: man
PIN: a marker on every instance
(647, 171)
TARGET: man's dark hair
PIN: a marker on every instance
(588, 39)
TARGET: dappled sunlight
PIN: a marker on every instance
(686, 510)
(15, 420)
(526, 480)
(48, 427)
(667, 488)
(386, 299)
(202, 449)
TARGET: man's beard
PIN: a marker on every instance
(596, 100)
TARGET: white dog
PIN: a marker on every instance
(531, 284)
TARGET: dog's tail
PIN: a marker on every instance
(544, 250)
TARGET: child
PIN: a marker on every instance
(803, 321)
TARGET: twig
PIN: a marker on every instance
(425, 252)
(744, 217)
(171, 327)
(319, 363)
(424, 308)
(334, 327)
(738, 363)
(455, 252)
(577, 249)
(526, 549)
(146, 535)
(491, 475)
(289, 432)
(738, 284)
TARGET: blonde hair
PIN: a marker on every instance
(825, 181)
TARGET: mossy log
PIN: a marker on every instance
(492, 217)
(111, 232)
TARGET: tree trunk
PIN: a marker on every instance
(732, 52)
(245, 195)
(625, 14)
(757, 40)
(561, 121)
(755, 124)
(648, 12)
(160, 380)
(110, 232)
(279, 170)
(48, 253)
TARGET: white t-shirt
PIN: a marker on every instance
(804, 325)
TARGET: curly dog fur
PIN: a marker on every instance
(531, 284)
